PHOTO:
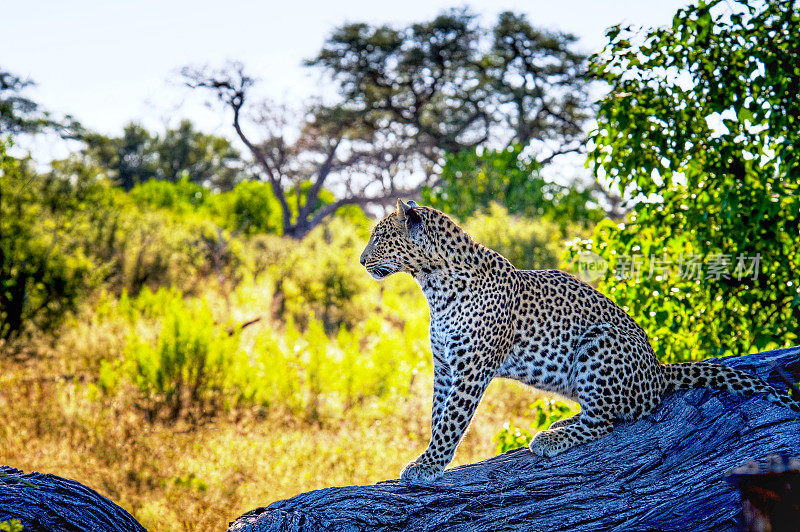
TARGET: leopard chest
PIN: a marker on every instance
(446, 331)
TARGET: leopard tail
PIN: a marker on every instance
(709, 375)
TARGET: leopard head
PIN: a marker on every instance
(402, 242)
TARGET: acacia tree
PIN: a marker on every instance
(452, 85)
(408, 96)
(298, 165)
(539, 85)
(702, 119)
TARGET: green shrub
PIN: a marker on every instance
(189, 369)
(529, 243)
(139, 247)
(545, 412)
(44, 267)
(316, 376)
(182, 196)
(68, 231)
(148, 304)
(14, 525)
(181, 362)
(250, 208)
(321, 277)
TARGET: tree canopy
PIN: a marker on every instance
(21, 114)
(179, 153)
(453, 85)
(407, 96)
(701, 123)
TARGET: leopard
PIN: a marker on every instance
(544, 328)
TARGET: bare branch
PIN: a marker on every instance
(230, 85)
(563, 151)
(322, 174)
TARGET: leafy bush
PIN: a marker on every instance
(44, 270)
(182, 196)
(321, 277)
(545, 412)
(148, 304)
(527, 243)
(190, 369)
(14, 525)
(718, 235)
(156, 249)
(151, 236)
(183, 363)
(250, 208)
(316, 377)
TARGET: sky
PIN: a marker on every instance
(111, 62)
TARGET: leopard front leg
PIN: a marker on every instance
(451, 416)
(442, 384)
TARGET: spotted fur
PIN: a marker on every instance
(544, 328)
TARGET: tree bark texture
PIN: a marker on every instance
(47, 503)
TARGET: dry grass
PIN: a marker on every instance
(179, 477)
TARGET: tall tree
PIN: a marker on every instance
(130, 159)
(421, 81)
(408, 96)
(702, 120)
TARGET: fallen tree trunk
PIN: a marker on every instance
(664, 472)
(47, 503)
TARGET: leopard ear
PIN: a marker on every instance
(408, 215)
(402, 207)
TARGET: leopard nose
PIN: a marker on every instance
(362, 260)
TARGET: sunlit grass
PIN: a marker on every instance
(184, 477)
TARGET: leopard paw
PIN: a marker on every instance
(421, 471)
(543, 444)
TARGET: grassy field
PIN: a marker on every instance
(179, 476)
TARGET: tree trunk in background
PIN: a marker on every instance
(664, 472)
(770, 494)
